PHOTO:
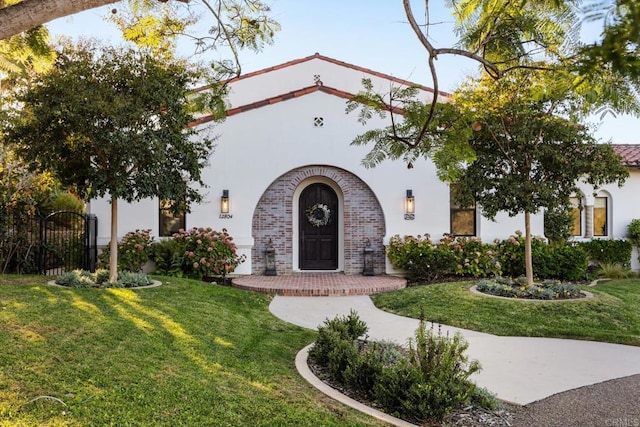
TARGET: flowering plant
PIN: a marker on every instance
(209, 253)
(318, 215)
(134, 250)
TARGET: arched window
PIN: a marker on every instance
(575, 211)
(601, 215)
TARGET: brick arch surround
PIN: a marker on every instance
(362, 218)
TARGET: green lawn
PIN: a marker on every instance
(613, 315)
(185, 354)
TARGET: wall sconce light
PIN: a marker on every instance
(224, 202)
(409, 204)
(270, 260)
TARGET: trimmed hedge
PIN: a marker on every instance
(603, 251)
(427, 261)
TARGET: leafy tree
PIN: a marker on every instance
(530, 153)
(21, 189)
(156, 24)
(18, 16)
(618, 48)
(444, 139)
(110, 120)
(522, 116)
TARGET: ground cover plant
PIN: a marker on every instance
(186, 353)
(517, 288)
(100, 279)
(611, 316)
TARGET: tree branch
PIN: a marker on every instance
(23, 16)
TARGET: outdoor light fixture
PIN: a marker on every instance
(409, 205)
(224, 202)
(367, 253)
(270, 260)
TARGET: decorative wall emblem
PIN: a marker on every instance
(318, 215)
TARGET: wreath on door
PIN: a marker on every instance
(318, 215)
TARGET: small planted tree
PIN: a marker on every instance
(530, 153)
(113, 121)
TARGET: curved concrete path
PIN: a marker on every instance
(517, 369)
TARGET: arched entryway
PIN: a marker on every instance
(277, 219)
(318, 228)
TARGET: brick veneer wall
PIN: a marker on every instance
(363, 219)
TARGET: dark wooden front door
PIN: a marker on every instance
(318, 223)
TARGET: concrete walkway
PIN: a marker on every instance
(517, 369)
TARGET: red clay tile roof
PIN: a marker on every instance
(333, 61)
(279, 98)
(630, 153)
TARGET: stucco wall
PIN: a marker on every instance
(261, 149)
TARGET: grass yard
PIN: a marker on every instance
(613, 315)
(184, 354)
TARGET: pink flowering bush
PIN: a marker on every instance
(208, 253)
(473, 258)
(452, 256)
(421, 258)
(134, 250)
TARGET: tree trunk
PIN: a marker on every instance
(27, 14)
(528, 259)
(113, 245)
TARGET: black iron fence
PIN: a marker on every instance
(62, 241)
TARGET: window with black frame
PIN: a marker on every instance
(170, 221)
(463, 219)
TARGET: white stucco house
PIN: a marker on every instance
(284, 170)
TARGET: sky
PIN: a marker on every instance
(368, 33)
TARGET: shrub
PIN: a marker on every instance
(558, 224)
(564, 262)
(425, 384)
(208, 253)
(66, 201)
(134, 250)
(608, 251)
(364, 372)
(483, 398)
(337, 343)
(633, 232)
(432, 381)
(421, 258)
(168, 255)
(510, 254)
(615, 271)
(473, 258)
(571, 262)
(341, 328)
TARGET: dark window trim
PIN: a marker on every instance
(182, 216)
(454, 211)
